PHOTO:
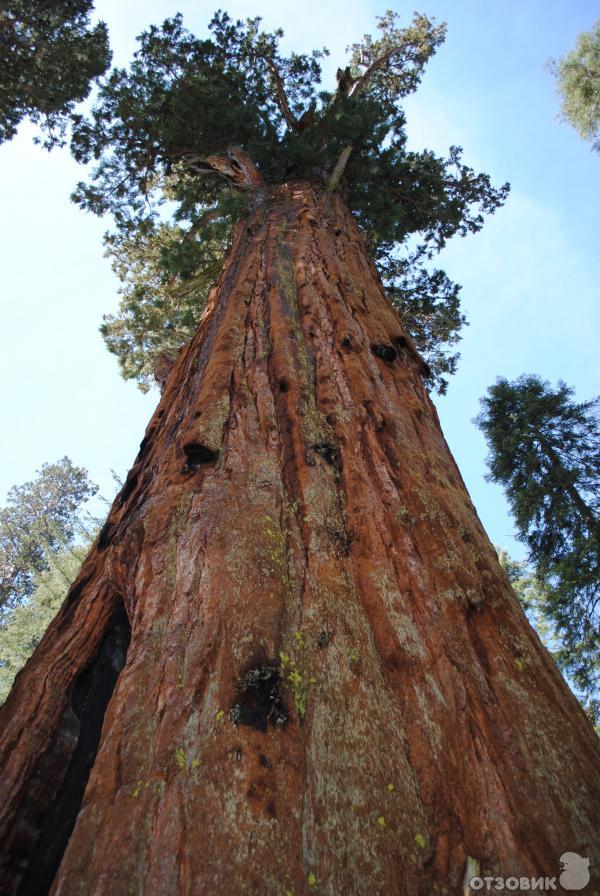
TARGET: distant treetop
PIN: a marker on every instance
(40, 518)
(578, 81)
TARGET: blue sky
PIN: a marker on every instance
(530, 278)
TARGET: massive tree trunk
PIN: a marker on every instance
(329, 685)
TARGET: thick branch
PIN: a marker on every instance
(236, 166)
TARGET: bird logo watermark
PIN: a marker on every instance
(575, 871)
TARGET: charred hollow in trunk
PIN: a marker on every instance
(54, 792)
(330, 682)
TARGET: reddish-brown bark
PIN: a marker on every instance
(295, 511)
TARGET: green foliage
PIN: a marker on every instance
(429, 305)
(578, 82)
(157, 125)
(545, 451)
(22, 626)
(41, 518)
(49, 57)
(166, 275)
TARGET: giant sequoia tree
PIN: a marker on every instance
(291, 662)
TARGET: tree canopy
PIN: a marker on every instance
(50, 56)
(41, 518)
(578, 81)
(182, 137)
(545, 452)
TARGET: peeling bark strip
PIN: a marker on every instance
(330, 685)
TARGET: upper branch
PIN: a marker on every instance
(282, 100)
(404, 51)
(360, 83)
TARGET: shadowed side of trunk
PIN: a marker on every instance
(330, 682)
(80, 725)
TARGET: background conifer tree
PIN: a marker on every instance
(40, 518)
(24, 624)
(545, 452)
(578, 83)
